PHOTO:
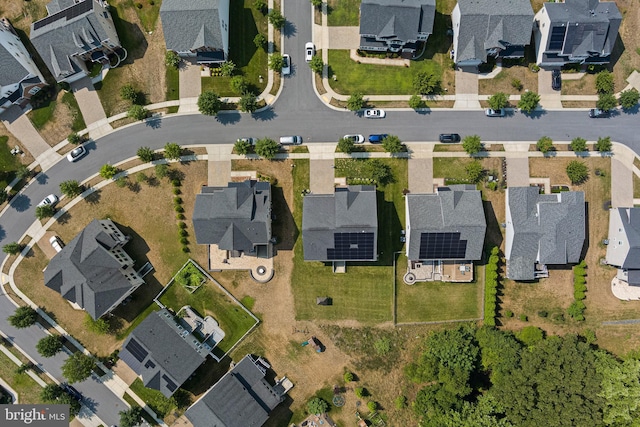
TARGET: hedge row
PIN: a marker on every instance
(491, 288)
(577, 307)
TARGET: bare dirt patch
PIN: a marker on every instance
(59, 127)
(626, 56)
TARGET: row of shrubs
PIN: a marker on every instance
(491, 288)
(577, 307)
(177, 205)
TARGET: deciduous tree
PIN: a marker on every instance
(355, 101)
(71, 188)
(392, 144)
(49, 346)
(472, 144)
(498, 101)
(426, 82)
(78, 367)
(577, 172)
(209, 103)
(267, 148)
(545, 144)
(579, 144)
(528, 101)
(629, 98)
(23, 317)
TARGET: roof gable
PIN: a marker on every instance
(454, 209)
(191, 24)
(397, 19)
(236, 217)
(487, 24)
(349, 212)
(158, 352)
(545, 228)
(85, 271)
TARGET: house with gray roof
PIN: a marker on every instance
(342, 226)
(576, 31)
(236, 218)
(74, 36)
(20, 78)
(490, 28)
(197, 29)
(93, 272)
(395, 25)
(243, 397)
(623, 249)
(162, 352)
(446, 225)
(542, 230)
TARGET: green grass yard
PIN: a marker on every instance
(343, 13)
(28, 390)
(210, 300)
(173, 84)
(251, 62)
(365, 292)
(436, 301)
(372, 79)
(148, 13)
(8, 162)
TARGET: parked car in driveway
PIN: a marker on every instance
(597, 113)
(309, 51)
(377, 138)
(51, 199)
(76, 153)
(494, 113)
(449, 137)
(357, 139)
(556, 80)
(56, 243)
(286, 64)
(374, 113)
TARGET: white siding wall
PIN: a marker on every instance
(223, 13)
(541, 33)
(455, 22)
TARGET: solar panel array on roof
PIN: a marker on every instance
(354, 246)
(170, 384)
(69, 13)
(557, 38)
(442, 246)
(136, 350)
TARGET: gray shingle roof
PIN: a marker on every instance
(487, 24)
(623, 250)
(173, 358)
(242, 398)
(456, 209)
(397, 19)
(192, 24)
(12, 70)
(85, 273)
(236, 217)
(544, 228)
(350, 209)
(60, 37)
(592, 26)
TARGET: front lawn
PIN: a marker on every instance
(28, 390)
(8, 162)
(343, 13)
(372, 79)
(251, 62)
(365, 292)
(210, 300)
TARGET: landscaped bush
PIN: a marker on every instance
(176, 191)
(401, 402)
(177, 200)
(508, 313)
(180, 216)
(576, 309)
(372, 405)
(348, 377)
(190, 275)
(182, 225)
(491, 288)
(543, 313)
(178, 209)
(184, 241)
(183, 233)
(524, 317)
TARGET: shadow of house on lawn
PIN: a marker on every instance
(284, 226)
(206, 375)
(494, 232)
(131, 36)
(138, 249)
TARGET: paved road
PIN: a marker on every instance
(297, 112)
(98, 397)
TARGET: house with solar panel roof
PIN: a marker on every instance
(164, 350)
(576, 31)
(445, 234)
(75, 35)
(341, 227)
